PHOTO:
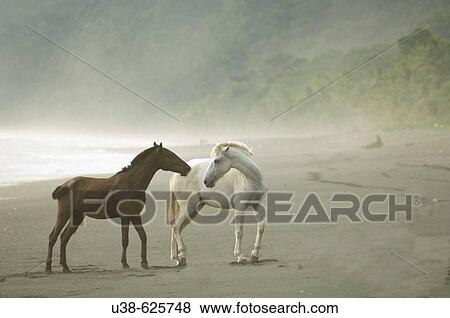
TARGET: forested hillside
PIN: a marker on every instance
(210, 61)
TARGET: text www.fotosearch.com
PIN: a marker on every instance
(250, 308)
(208, 307)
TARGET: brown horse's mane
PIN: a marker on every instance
(137, 159)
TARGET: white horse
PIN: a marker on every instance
(231, 169)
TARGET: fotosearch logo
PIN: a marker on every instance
(252, 207)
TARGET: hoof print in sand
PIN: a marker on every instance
(86, 268)
(142, 274)
(256, 262)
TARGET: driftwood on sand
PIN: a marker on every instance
(374, 145)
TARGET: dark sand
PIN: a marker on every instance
(307, 260)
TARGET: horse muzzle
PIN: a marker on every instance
(209, 184)
(185, 171)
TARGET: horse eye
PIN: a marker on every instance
(216, 160)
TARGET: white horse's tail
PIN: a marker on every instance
(172, 213)
(174, 208)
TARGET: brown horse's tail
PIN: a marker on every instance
(59, 191)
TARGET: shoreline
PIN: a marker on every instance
(203, 150)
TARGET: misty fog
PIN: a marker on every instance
(224, 68)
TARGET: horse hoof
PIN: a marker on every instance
(144, 265)
(242, 260)
(181, 262)
(254, 259)
(125, 266)
(66, 270)
(48, 271)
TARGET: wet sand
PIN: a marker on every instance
(302, 260)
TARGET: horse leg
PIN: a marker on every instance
(61, 220)
(239, 232)
(125, 224)
(137, 223)
(173, 246)
(173, 241)
(259, 234)
(65, 237)
(179, 223)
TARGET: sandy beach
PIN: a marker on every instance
(302, 260)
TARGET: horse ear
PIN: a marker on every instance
(160, 144)
(154, 144)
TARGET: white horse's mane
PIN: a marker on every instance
(235, 144)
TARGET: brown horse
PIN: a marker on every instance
(71, 197)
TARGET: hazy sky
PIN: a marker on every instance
(182, 55)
